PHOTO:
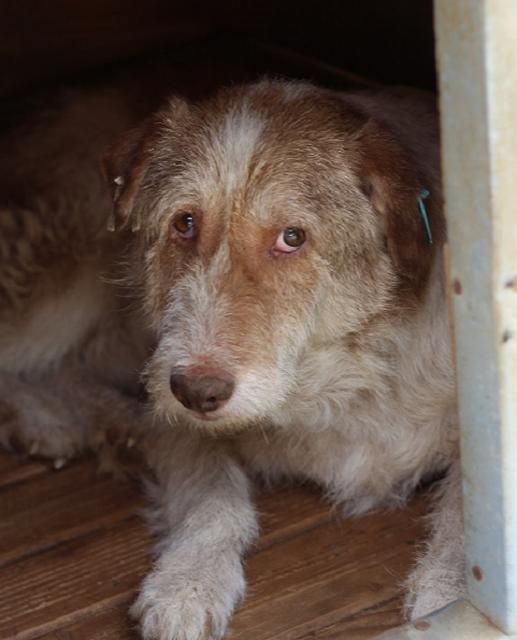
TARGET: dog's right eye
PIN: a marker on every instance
(289, 240)
(185, 225)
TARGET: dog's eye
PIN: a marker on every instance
(289, 240)
(184, 224)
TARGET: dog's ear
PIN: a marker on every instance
(125, 163)
(389, 178)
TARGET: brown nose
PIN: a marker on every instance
(202, 393)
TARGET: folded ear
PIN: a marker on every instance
(125, 163)
(392, 182)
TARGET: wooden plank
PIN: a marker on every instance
(110, 624)
(59, 506)
(320, 576)
(114, 624)
(319, 583)
(362, 625)
(83, 558)
(14, 468)
(41, 591)
(46, 591)
(76, 500)
(284, 512)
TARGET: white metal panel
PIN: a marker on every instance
(477, 59)
(477, 62)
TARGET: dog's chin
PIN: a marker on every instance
(214, 423)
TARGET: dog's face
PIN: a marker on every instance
(273, 218)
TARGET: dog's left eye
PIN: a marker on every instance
(185, 225)
(289, 240)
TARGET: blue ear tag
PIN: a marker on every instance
(423, 214)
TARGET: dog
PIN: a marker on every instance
(265, 261)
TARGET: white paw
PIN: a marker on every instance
(188, 597)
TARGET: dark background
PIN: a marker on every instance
(42, 42)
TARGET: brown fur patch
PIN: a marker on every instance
(391, 182)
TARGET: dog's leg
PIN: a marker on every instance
(204, 509)
(439, 577)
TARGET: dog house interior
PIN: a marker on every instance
(73, 545)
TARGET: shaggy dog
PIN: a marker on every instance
(284, 302)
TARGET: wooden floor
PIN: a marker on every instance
(73, 550)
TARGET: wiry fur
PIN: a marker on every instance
(340, 352)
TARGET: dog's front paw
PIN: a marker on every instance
(189, 597)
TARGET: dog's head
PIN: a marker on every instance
(273, 218)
